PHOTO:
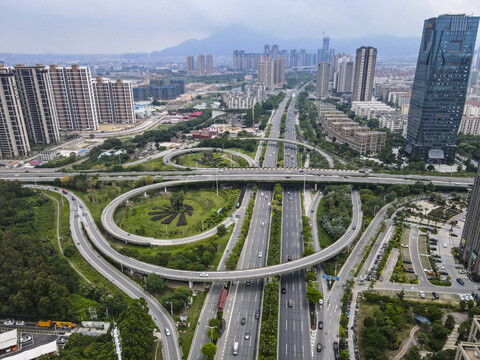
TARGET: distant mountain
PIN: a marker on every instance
(222, 43)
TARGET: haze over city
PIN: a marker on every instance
(122, 26)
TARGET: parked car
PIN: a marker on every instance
(435, 295)
(460, 281)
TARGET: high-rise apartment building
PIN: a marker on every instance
(114, 101)
(201, 65)
(344, 76)
(470, 242)
(13, 132)
(302, 57)
(38, 104)
(271, 72)
(74, 97)
(440, 86)
(208, 64)
(323, 72)
(190, 65)
(293, 58)
(365, 60)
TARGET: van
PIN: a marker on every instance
(290, 303)
(235, 348)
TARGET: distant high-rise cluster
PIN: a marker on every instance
(440, 86)
(271, 72)
(37, 101)
(204, 65)
(323, 72)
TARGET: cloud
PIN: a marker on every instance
(116, 26)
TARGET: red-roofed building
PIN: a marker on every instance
(201, 135)
(195, 114)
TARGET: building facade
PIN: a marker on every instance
(365, 61)
(13, 132)
(440, 86)
(208, 64)
(343, 78)
(74, 97)
(201, 65)
(323, 74)
(156, 89)
(271, 72)
(190, 65)
(38, 104)
(470, 241)
(114, 101)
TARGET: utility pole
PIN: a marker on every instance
(171, 307)
(117, 341)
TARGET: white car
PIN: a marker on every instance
(444, 245)
(9, 322)
(20, 323)
(460, 296)
(422, 294)
(404, 245)
(320, 302)
(167, 331)
(260, 254)
(203, 274)
(26, 338)
(462, 272)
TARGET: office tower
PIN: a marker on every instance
(74, 98)
(201, 65)
(470, 241)
(38, 104)
(364, 73)
(325, 53)
(326, 43)
(190, 65)
(13, 133)
(208, 64)
(344, 76)
(274, 51)
(266, 50)
(440, 86)
(323, 72)
(302, 57)
(293, 58)
(114, 101)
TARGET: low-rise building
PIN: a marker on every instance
(469, 125)
(340, 127)
(370, 109)
(151, 146)
(49, 155)
(201, 135)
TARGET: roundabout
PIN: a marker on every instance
(167, 159)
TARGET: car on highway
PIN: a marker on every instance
(289, 258)
(319, 347)
(247, 335)
(75, 209)
(460, 281)
(25, 339)
(320, 302)
(243, 321)
(248, 283)
(354, 227)
(9, 322)
(20, 323)
(284, 290)
(167, 331)
(290, 303)
(257, 315)
(260, 254)
(320, 325)
(203, 274)
(263, 223)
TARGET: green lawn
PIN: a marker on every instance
(193, 313)
(243, 151)
(323, 237)
(189, 160)
(205, 203)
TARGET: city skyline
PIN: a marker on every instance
(77, 30)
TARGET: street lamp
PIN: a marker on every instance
(171, 307)
(211, 332)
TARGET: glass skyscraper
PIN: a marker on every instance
(440, 87)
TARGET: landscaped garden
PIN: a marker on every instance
(210, 159)
(177, 214)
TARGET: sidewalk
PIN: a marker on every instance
(411, 341)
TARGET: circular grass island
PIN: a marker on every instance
(210, 159)
(178, 213)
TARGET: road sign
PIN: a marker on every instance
(326, 276)
(335, 278)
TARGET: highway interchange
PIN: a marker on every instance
(295, 339)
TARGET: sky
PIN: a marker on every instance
(123, 26)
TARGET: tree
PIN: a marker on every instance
(344, 354)
(176, 200)
(221, 230)
(422, 338)
(313, 295)
(156, 284)
(209, 350)
(413, 354)
(450, 322)
(401, 294)
(431, 167)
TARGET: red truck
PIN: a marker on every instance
(64, 192)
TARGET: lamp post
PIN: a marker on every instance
(171, 307)
(211, 332)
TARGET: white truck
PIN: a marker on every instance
(235, 348)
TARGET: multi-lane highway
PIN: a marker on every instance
(293, 320)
